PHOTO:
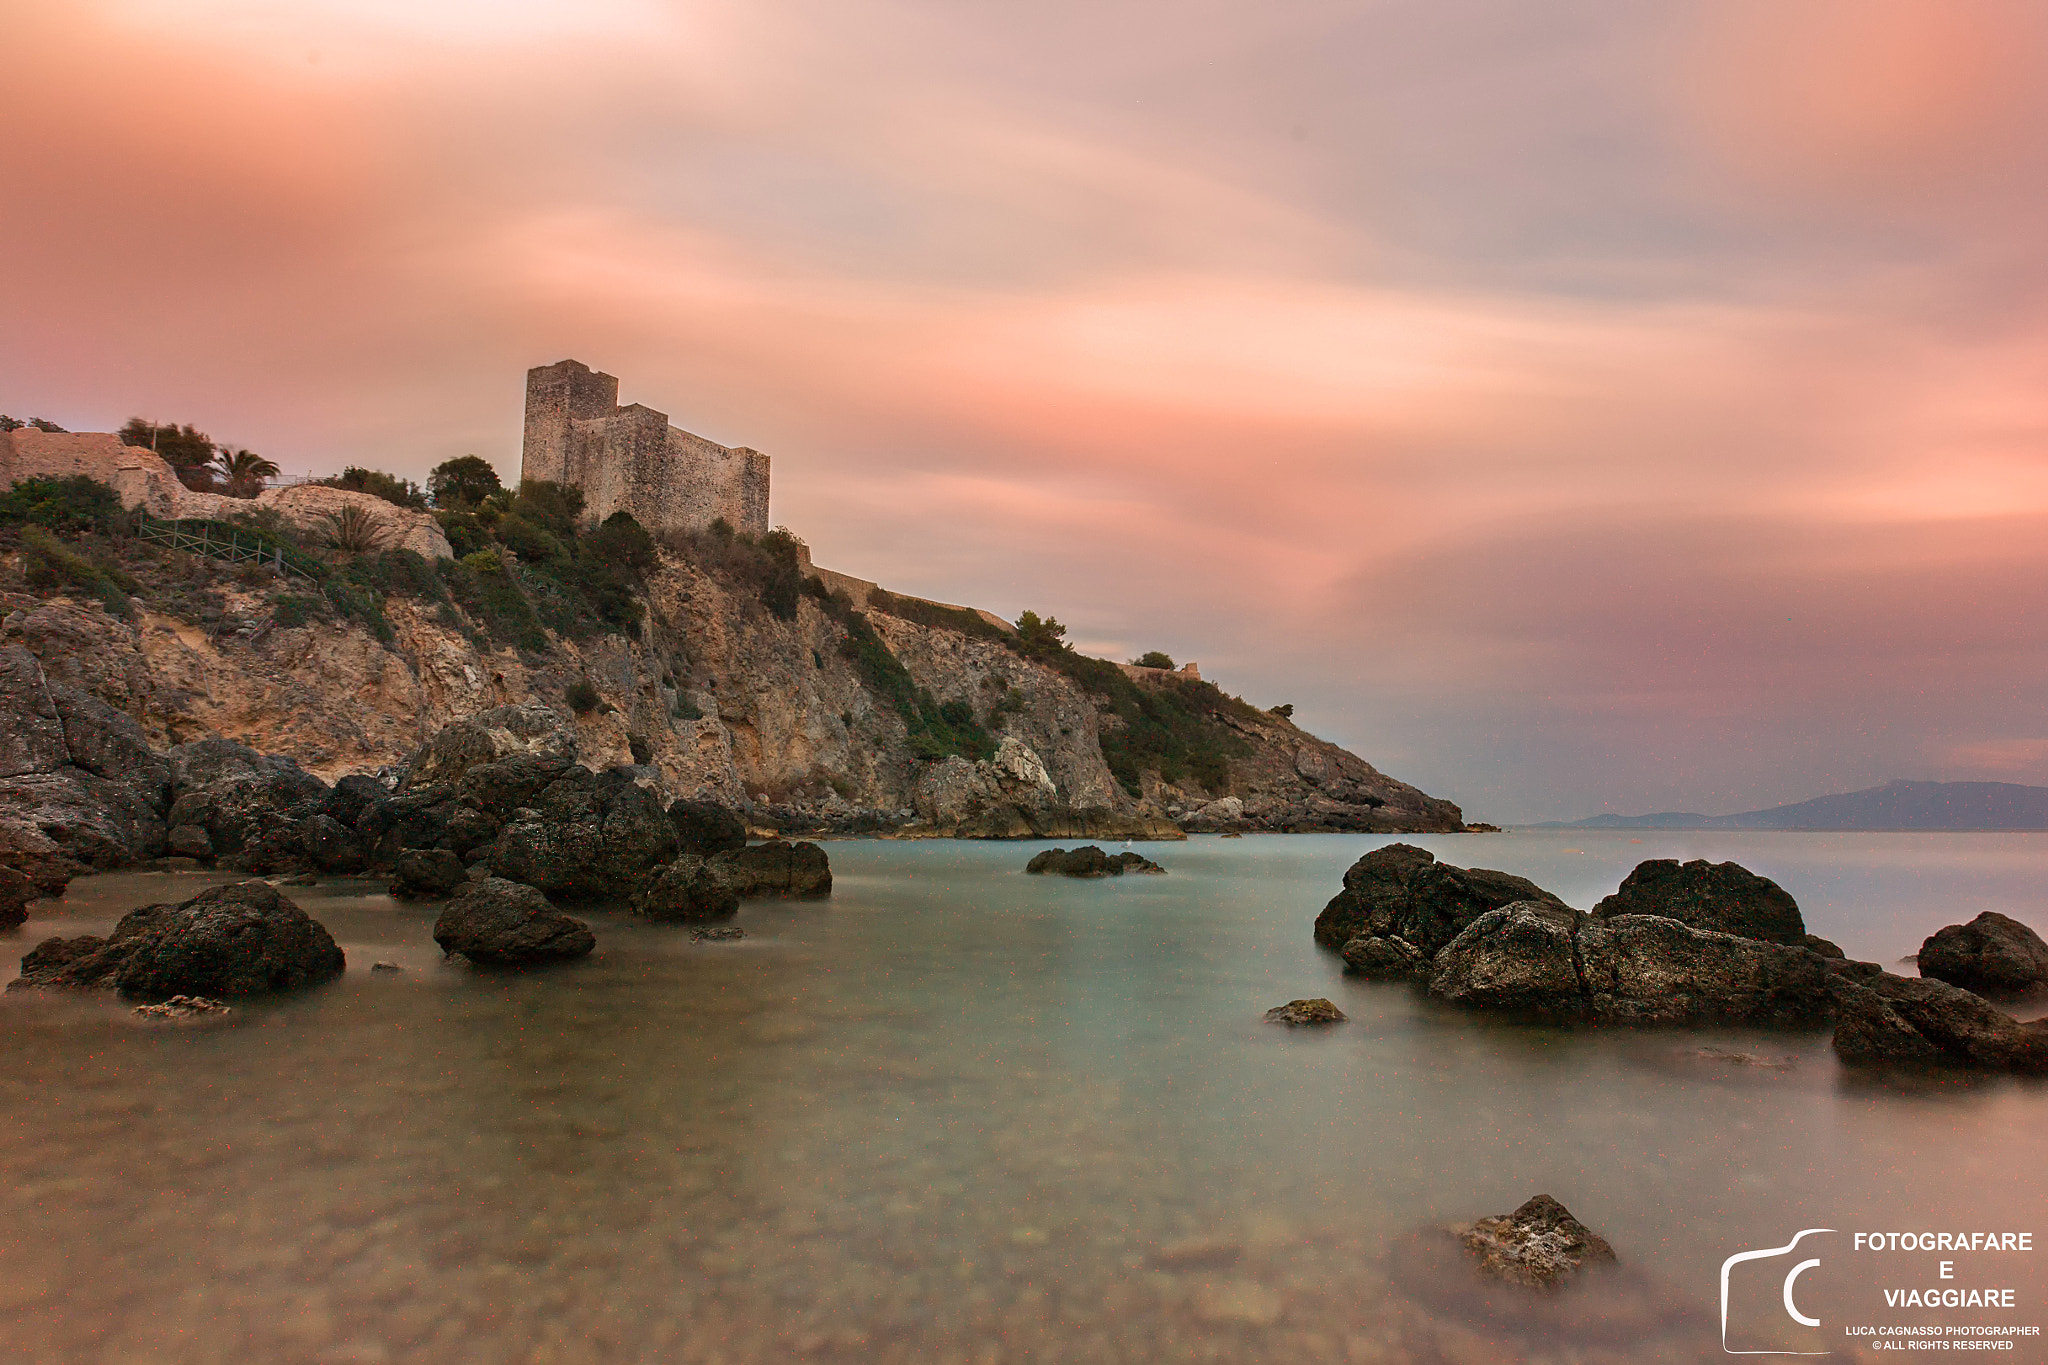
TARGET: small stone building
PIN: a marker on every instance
(630, 459)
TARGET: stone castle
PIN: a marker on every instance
(632, 460)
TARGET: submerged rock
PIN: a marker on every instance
(687, 890)
(185, 1007)
(727, 934)
(1726, 898)
(776, 868)
(1300, 1012)
(1993, 952)
(502, 922)
(1540, 1245)
(1918, 1022)
(1403, 892)
(227, 941)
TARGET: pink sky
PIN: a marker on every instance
(1594, 405)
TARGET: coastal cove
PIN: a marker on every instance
(956, 1113)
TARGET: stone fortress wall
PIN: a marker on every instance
(630, 459)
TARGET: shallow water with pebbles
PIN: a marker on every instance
(955, 1114)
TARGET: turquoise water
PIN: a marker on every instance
(956, 1114)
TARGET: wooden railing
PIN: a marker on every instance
(219, 542)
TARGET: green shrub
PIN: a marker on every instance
(375, 482)
(934, 615)
(1154, 659)
(67, 506)
(462, 482)
(290, 610)
(48, 565)
(530, 542)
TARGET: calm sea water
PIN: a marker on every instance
(958, 1114)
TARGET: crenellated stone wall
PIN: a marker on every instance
(631, 459)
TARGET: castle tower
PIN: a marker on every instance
(631, 459)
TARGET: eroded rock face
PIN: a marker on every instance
(688, 890)
(1993, 952)
(529, 729)
(1539, 1246)
(776, 868)
(1908, 1022)
(227, 941)
(503, 923)
(1403, 892)
(1551, 962)
(1724, 897)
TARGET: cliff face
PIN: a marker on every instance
(715, 697)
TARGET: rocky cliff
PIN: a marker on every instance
(797, 717)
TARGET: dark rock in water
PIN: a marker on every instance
(1316, 1011)
(16, 891)
(1723, 897)
(1540, 1245)
(590, 836)
(185, 1007)
(727, 934)
(776, 868)
(705, 828)
(1550, 962)
(1993, 952)
(1090, 861)
(501, 922)
(189, 841)
(1404, 892)
(330, 845)
(1386, 958)
(385, 967)
(427, 874)
(352, 796)
(1909, 1022)
(687, 890)
(243, 939)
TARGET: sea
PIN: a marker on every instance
(962, 1115)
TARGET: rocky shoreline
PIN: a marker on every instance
(1679, 945)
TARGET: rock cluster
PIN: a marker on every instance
(1993, 952)
(1403, 896)
(185, 1007)
(227, 941)
(1090, 861)
(1678, 944)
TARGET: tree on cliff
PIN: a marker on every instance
(187, 449)
(463, 482)
(244, 471)
(1040, 637)
(1154, 658)
(399, 492)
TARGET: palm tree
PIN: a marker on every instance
(244, 470)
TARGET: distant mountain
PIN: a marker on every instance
(1899, 805)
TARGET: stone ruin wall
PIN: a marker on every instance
(632, 459)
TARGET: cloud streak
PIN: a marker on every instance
(1489, 383)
